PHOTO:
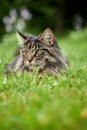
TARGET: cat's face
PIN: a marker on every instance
(40, 52)
(36, 53)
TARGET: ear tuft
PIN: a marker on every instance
(47, 36)
(21, 38)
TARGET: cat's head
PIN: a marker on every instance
(39, 51)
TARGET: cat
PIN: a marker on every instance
(40, 52)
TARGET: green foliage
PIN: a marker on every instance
(58, 14)
(44, 13)
(50, 103)
(4, 9)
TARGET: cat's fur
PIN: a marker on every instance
(40, 52)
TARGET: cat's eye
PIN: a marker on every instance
(38, 51)
(24, 51)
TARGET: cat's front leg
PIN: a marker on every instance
(15, 65)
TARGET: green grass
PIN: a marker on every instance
(30, 103)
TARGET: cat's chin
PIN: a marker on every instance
(37, 64)
(33, 65)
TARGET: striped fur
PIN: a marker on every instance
(40, 52)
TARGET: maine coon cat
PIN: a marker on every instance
(40, 52)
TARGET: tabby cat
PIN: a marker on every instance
(40, 52)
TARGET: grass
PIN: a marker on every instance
(30, 103)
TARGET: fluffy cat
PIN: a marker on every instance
(40, 52)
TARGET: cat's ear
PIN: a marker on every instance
(47, 36)
(21, 37)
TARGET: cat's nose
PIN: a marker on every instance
(30, 58)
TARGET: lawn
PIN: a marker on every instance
(50, 103)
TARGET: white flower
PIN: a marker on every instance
(13, 12)
(6, 20)
(8, 28)
(25, 14)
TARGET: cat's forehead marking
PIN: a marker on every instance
(33, 43)
(32, 39)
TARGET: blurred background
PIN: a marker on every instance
(36, 15)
